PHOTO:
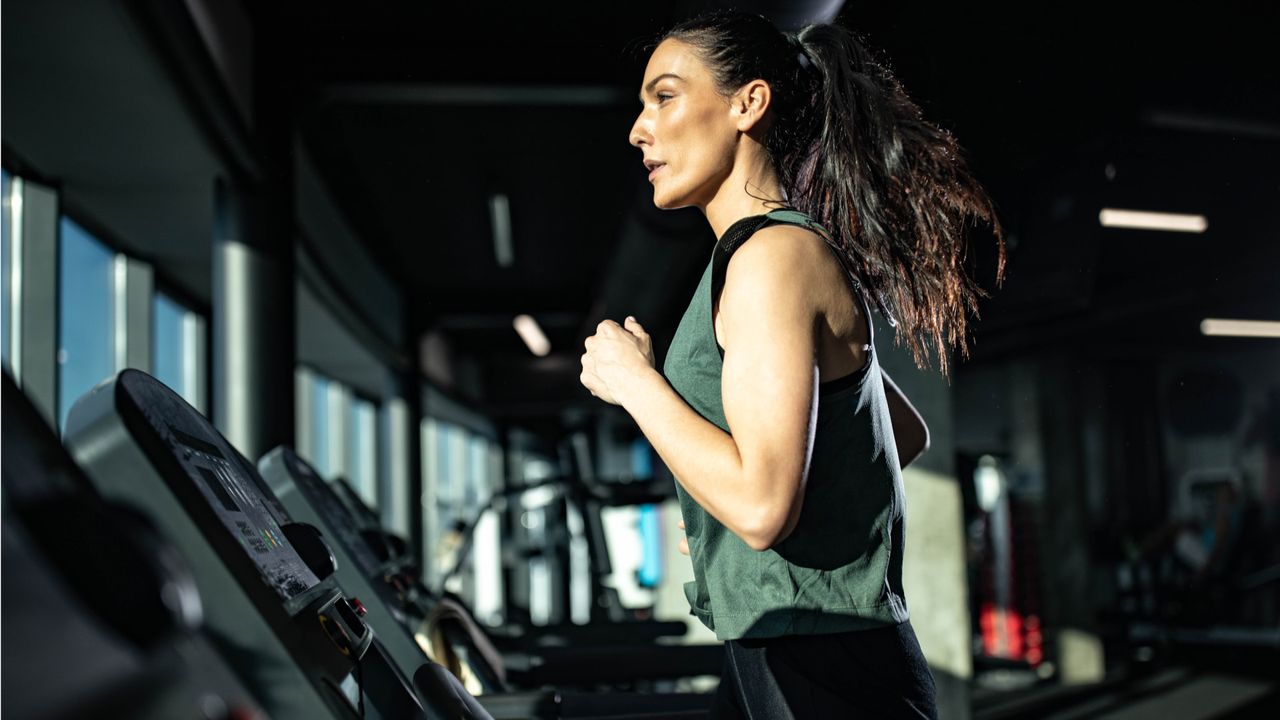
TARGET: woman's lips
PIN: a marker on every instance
(655, 172)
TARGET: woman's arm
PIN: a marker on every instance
(752, 480)
(910, 434)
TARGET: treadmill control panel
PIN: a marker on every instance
(218, 474)
(329, 506)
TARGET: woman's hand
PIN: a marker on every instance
(617, 356)
(684, 542)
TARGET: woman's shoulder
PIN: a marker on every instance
(781, 248)
(780, 253)
(802, 220)
(791, 236)
(782, 266)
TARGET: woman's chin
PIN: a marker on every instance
(664, 201)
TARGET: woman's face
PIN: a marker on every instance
(686, 129)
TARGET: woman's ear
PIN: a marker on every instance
(750, 104)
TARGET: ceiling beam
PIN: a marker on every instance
(1215, 124)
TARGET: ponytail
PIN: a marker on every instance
(853, 151)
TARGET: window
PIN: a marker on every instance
(444, 461)
(362, 449)
(86, 314)
(318, 448)
(444, 508)
(177, 351)
(338, 433)
(460, 473)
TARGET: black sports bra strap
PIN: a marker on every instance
(739, 232)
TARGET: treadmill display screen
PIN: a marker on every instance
(212, 482)
(243, 511)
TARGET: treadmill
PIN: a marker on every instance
(397, 618)
(271, 599)
(608, 625)
(75, 645)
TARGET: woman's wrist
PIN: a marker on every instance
(644, 385)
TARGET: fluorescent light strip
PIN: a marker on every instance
(15, 277)
(1240, 328)
(532, 335)
(1146, 220)
(500, 219)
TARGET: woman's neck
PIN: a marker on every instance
(740, 194)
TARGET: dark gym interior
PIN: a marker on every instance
(294, 303)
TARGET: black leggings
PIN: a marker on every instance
(877, 673)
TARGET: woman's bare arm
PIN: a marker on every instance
(910, 434)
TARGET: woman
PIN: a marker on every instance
(784, 434)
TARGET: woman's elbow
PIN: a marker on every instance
(761, 540)
(770, 527)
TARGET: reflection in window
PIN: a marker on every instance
(86, 306)
(177, 352)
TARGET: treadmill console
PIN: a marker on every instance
(242, 510)
(272, 605)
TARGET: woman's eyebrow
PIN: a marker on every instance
(649, 87)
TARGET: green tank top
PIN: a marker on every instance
(841, 568)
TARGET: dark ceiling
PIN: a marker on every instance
(417, 112)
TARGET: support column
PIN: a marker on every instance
(34, 348)
(254, 328)
(401, 507)
(134, 287)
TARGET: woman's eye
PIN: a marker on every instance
(663, 96)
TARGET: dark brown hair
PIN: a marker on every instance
(853, 151)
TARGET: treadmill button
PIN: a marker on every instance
(357, 606)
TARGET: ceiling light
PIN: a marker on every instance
(1240, 328)
(1146, 220)
(532, 335)
(500, 220)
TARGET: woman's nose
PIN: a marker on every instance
(638, 134)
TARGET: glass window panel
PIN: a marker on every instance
(86, 320)
(477, 474)
(166, 339)
(362, 452)
(430, 431)
(338, 399)
(320, 425)
(444, 467)
(461, 471)
(175, 349)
